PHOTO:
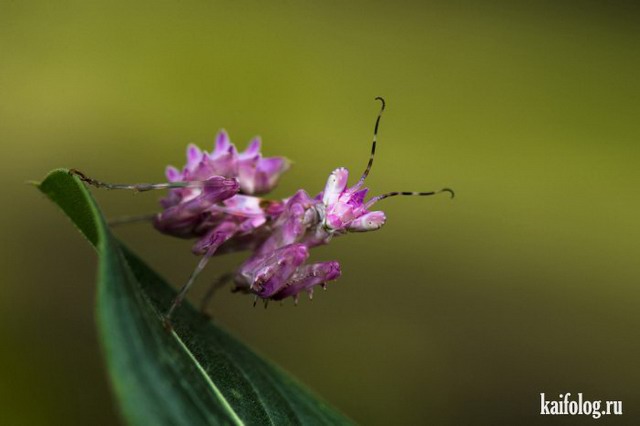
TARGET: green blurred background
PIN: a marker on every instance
(456, 312)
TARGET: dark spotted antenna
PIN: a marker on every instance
(406, 193)
(373, 145)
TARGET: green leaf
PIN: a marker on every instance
(196, 374)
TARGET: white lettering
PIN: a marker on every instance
(544, 405)
(565, 405)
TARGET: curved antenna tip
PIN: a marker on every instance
(384, 104)
(450, 191)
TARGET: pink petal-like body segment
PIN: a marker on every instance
(224, 213)
(192, 212)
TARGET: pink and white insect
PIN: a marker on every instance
(216, 199)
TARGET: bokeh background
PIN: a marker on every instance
(456, 312)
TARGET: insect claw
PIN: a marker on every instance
(324, 286)
(166, 323)
(255, 301)
(295, 300)
(266, 303)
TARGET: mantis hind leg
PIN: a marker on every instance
(207, 246)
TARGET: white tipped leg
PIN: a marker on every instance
(137, 187)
